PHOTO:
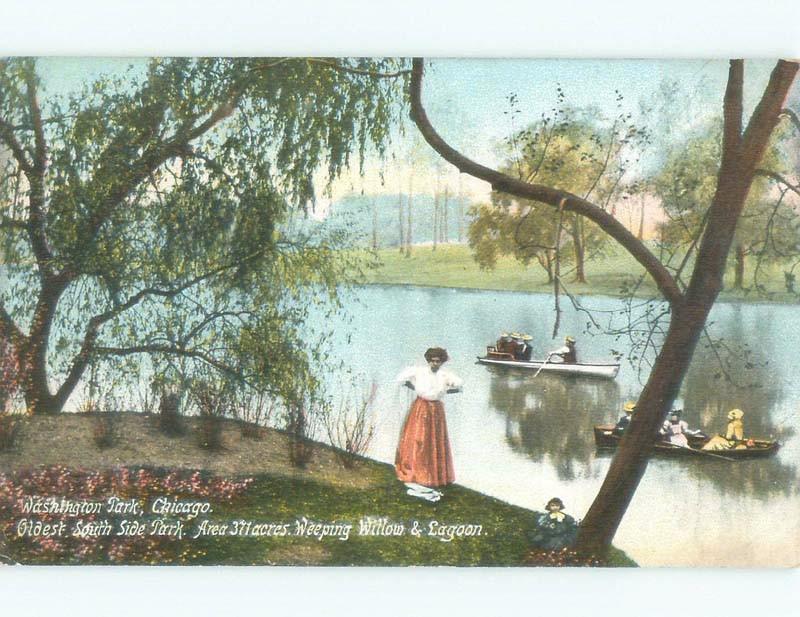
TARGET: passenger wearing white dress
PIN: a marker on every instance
(675, 430)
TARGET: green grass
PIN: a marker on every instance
(278, 499)
(324, 492)
(453, 266)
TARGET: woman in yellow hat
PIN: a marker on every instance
(734, 434)
(625, 419)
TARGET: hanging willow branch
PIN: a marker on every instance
(557, 267)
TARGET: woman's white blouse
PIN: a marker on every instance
(429, 385)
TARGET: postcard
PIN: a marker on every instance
(348, 311)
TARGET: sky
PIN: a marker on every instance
(466, 100)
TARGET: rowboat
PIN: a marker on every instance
(586, 369)
(606, 439)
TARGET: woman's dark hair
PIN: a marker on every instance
(555, 500)
(436, 352)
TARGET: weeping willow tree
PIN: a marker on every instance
(158, 215)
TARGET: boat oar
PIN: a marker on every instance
(539, 370)
(703, 452)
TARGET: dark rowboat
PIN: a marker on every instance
(606, 439)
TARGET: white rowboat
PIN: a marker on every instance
(605, 371)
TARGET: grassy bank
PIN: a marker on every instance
(452, 265)
(271, 492)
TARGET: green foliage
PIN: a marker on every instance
(686, 183)
(576, 150)
(174, 208)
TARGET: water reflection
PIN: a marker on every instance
(552, 416)
(752, 385)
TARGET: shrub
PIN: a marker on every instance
(350, 428)
(214, 401)
(299, 428)
(255, 410)
(103, 430)
(210, 435)
(8, 431)
(170, 421)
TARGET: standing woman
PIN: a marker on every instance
(424, 461)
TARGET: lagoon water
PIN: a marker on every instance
(525, 439)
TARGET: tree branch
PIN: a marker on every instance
(40, 158)
(8, 328)
(9, 139)
(779, 179)
(167, 350)
(545, 194)
(768, 110)
(348, 69)
(792, 117)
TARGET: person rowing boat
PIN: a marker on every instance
(568, 353)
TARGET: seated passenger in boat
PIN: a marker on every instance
(505, 344)
(625, 419)
(734, 434)
(567, 353)
(674, 430)
(554, 529)
(523, 349)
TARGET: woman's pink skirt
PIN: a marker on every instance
(423, 454)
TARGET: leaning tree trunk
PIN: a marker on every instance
(741, 153)
(628, 466)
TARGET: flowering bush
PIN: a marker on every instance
(562, 558)
(83, 486)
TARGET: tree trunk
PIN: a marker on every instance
(435, 219)
(38, 398)
(409, 238)
(546, 261)
(640, 234)
(401, 233)
(579, 249)
(741, 153)
(628, 466)
(738, 280)
(444, 217)
(460, 212)
(374, 225)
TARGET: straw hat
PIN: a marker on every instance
(569, 339)
(629, 407)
